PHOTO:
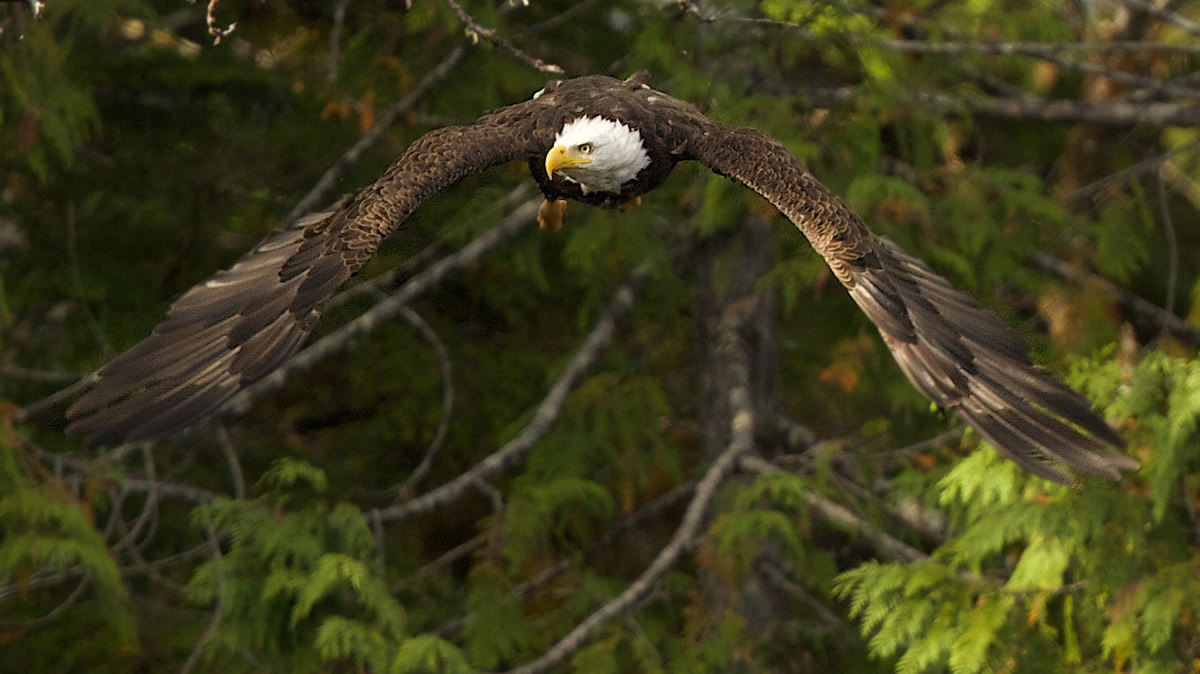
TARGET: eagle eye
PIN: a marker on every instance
(584, 148)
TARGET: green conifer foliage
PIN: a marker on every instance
(497, 479)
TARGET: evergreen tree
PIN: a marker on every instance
(530, 464)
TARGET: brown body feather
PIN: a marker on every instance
(224, 334)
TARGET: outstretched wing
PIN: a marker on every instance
(958, 354)
(233, 329)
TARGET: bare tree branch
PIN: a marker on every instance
(1116, 113)
(1044, 51)
(561, 17)
(369, 139)
(231, 457)
(30, 374)
(1033, 49)
(476, 31)
(218, 610)
(385, 310)
(1174, 18)
(339, 167)
(741, 443)
(1153, 163)
(58, 397)
(77, 280)
(452, 555)
(1168, 226)
(840, 515)
(211, 19)
(57, 611)
(376, 284)
(525, 588)
(149, 507)
(829, 620)
(439, 436)
(1111, 113)
(335, 37)
(185, 492)
(545, 415)
(1176, 326)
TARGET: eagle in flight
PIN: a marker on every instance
(605, 142)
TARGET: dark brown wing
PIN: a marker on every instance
(955, 352)
(233, 329)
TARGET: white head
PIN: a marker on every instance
(599, 154)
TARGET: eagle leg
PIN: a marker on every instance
(550, 214)
(636, 201)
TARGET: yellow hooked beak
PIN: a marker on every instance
(561, 157)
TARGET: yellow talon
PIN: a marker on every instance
(550, 214)
(636, 201)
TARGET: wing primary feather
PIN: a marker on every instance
(223, 334)
(953, 351)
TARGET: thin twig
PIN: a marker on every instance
(559, 18)
(1046, 52)
(376, 284)
(1110, 113)
(1154, 163)
(77, 280)
(1043, 51)
(377, 534)
(1116, 113)
(1034, 49)
(57, 611)
(218, 610)
(605, 542)
(547, 411)
(335, 38)
(30, 374)
(128, 482)
(339, 167)
(838, 514)
(1174, 18)
(185, 492)
(152, 573)
(809, 461)
(452, 555)
(829, 621)
(149, 507)
(1039, 50)
(231, 458)
(210, 17)
(741, 443)
(335, 172)
(1179, 328)
(936, 441)
(475, 31)
(58, 397)
(492, 493)
(385, 310)
(1168, 225)
(142, 567)
(439, 436)
(116, 506)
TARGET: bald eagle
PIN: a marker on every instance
(603, 142)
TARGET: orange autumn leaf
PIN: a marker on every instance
(849, 361)
(366, 112)
(1035, 610)
(339, 108)
(841, 373)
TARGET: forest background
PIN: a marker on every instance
(514, 450)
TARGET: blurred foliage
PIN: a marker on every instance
(137, 157)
